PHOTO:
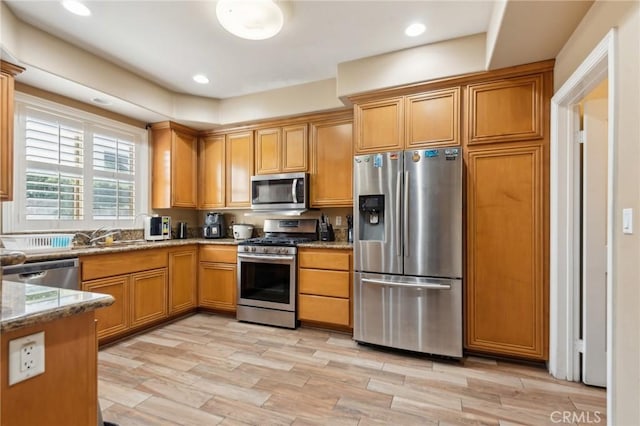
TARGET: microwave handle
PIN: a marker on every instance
(293, 190)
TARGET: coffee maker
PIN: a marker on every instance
(213, 225)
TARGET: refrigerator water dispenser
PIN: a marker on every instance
(371, 217)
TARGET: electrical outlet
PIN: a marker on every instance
(338, 220)
(26, 357)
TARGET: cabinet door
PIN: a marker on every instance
(184, 169)
(148, 296)
(331, 164)
(294, 149)
(379, 126)
(211, 172)
(239, 150)
(268, 151)
(505, 110)
(433, 119)
(182, 279)
(7, 73)
(506, 303)
(328, 310)
(113, 319)
(217, 286)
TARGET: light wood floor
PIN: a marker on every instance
(208, 369)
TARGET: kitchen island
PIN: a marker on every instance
(66, 392)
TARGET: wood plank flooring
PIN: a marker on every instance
(208, 370)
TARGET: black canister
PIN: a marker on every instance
(182, 231)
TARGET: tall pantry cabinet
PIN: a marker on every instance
(507, 211)
(501, 120)
(7, 74)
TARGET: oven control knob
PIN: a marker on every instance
(253, 249)
(265, 250)
(246, 248)
(282, 251)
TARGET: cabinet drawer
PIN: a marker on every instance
(324, 283)
(219, 254)
(108, 265)
(323, 309)
(339, 260)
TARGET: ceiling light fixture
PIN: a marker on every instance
(76, 7)
(415, 30)
(200, 78)
(250, 19)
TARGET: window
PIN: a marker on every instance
(74, 170)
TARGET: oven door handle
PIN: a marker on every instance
(264, 257)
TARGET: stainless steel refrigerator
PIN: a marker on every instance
(408, 250)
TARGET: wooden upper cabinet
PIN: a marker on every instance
(294, 148)
(174, 166)
(268, 151)
(239, 164)
(507, 308)
(505, 110)
(331, 163)
(433, 118)
(281, 150)
(7, 74)
(211, 172)
(379, 125)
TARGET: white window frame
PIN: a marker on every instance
(13, 212)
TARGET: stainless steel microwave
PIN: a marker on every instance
(285, 191)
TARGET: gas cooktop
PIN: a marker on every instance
(275, 241)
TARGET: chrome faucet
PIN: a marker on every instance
(96, 235)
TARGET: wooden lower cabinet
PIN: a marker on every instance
(217, 277)
(183, 267)
(111, 320)
(324, 286)
(148, 296)
(506, 287)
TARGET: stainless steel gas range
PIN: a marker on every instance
(267, 272)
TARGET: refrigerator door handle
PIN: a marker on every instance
(427, 286)
(406, 215)
(398, 234)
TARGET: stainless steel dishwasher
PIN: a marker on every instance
(53, 273)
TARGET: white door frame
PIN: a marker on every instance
(564, 260)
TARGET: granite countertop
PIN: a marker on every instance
(23, 305)
(327, 244)
(126, 246)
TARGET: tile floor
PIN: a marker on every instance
(209, 370)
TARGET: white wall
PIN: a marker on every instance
(625, 15)
(447, 58)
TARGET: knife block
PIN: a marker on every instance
(326, 232)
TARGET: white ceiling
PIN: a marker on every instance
(167, 42)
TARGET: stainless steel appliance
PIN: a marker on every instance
(214, 226)
(54, 273)
(267, 272)
(280, 192)
(408, 250)
(157, 228)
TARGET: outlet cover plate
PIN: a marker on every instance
(29, 350)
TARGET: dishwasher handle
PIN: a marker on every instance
(32, 276)
(426, 286)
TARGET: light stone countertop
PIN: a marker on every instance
(24, 305)
(145, 245)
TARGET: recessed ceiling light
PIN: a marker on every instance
(100, 101)
(76, 7)
(200, 78)
(415, 30)
(250, 19)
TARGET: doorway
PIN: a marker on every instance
(567, 245)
